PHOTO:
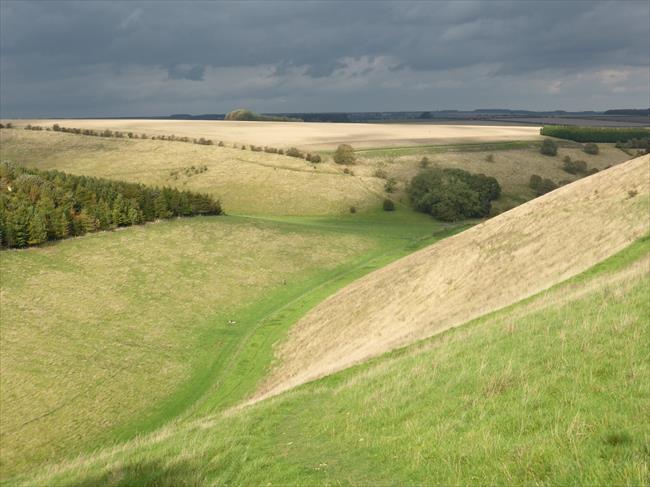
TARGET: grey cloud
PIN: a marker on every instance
(65, 42)
(193, 73)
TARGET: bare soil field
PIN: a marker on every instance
(313, 136)
(492, 265)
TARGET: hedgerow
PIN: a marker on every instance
(595, 134)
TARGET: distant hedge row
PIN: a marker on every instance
(595, 134)
(107, 133)
(37, 206)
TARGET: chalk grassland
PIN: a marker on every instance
(261, 183)
(551, 391)
(112, 334)
(97, 330)
(312, 136)
(246, 182)
(511, 163)
(492, 265)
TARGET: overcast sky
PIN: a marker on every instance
(75, 59)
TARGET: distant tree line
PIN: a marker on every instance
(595, 134)
(453, 194)
(37, 206)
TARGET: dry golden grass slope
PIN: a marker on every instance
(492, 265)
(246, 182)
(312, 136)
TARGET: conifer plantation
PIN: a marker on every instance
(37, 206)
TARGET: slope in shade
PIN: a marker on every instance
(492, 265)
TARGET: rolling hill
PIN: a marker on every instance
(551, 390)
(492, 265)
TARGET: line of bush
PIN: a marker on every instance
(595, 134)
(292, 152)
(453, 194)
(37, 206)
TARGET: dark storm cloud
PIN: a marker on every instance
(358, 56)
(193, 73)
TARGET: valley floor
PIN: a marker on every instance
(553, 390)
(114, 333)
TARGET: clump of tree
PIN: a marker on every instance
(37, 206)
(574, 167)
(344, 154)
(313, 158)
(541, 185)
(595, 134)
(7, 125)
(641, 143)
(453, 194)
(591, 149)
(202, 141)
(244, 114)
(293, 152)
(548, 148)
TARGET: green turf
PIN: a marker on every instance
(551, 391)
(104, 317)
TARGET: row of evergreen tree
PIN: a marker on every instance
(37, 206)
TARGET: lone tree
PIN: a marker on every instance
(590, 148)
(549, 148)
(344, 154)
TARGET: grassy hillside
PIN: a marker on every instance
(511, 163)
(114, 333)
(492, 265)
(270, 184)
(246, 182)
(553, 390)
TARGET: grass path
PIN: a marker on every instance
(246, 366)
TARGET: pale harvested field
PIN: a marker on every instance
(492, 265)
(246, 182)
(313, 136)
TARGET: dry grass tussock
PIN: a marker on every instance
(492, 265)
(313, 136)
